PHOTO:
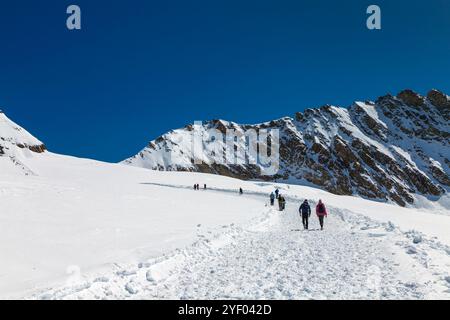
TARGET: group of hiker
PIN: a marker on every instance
(281, 200)
(304, 210)
(197, 186)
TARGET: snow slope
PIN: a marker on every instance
(16, 145)
(84, 215)
(84, 227)
(13, 134)
(270, 257)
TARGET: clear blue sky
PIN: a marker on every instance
(140, 68)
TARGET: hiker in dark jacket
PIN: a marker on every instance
(305, 212)
(272, 198)
(321, 212)
(277, 192)
(281, 202)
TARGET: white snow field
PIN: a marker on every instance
(75, 216)
(83, 229)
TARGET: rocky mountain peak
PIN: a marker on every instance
(440, 100)
(392, 149)
(411, 98)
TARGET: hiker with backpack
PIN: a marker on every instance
(272, 198)
(277, 193)
(305, 212)
(321, 213)
(281, 202)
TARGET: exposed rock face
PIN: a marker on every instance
(35, 148)
(411, 98)
(390, 149)
(441, 101)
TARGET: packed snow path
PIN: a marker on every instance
(274, 258)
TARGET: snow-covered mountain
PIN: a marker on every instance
(390, 149)
(85, 229)
(17, 144)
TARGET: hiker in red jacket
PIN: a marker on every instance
(321, 212)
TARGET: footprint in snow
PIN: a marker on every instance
(126, 273)
(376, 235)
(411, 250)
(417, 239)
(101, 279)
(129, 287)
(149, 276)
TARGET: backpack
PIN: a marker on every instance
(304, 208)
(321, 208)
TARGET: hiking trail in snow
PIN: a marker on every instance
(272, 257)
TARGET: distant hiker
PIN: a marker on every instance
(198, 186)
(276, 193)
(241, 191)
(321, 212)
(204, 186)
(272, 198)
(281, 202)
(195, 186)
(305, 212)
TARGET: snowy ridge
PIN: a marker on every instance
(13, 134)
(393, 149)
(17, 145)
